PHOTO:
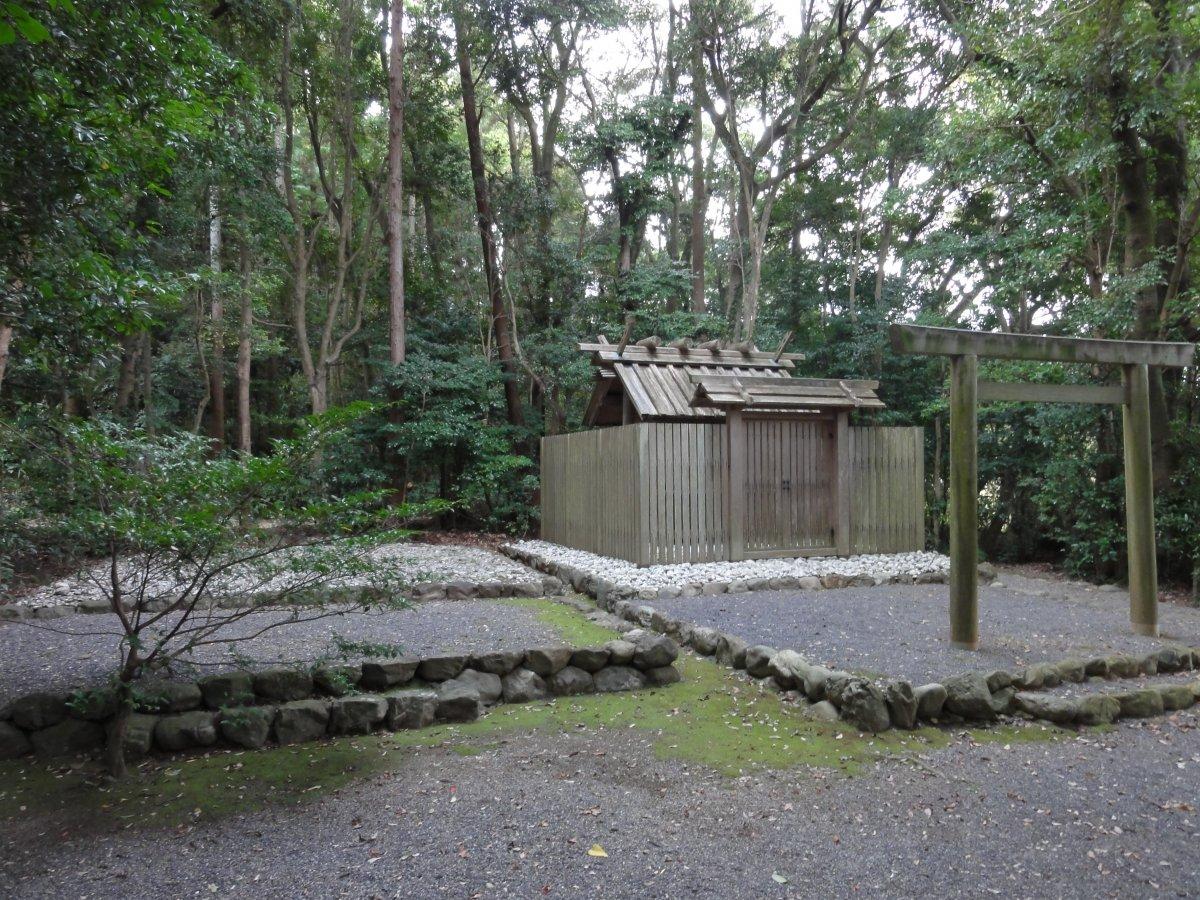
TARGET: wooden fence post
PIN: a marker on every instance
(1139, 502)
(735, 431)
(841, 484)
(964, 502)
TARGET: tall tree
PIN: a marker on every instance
(486, 222)
(395, 184)
(699, 197)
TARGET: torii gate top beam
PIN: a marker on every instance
(959, 342)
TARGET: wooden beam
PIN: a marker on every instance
(964, 503)
(1002, 345)
(1026, 392)
(624, 335)
(735, 432)
(1139, 503)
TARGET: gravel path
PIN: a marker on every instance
(1102, 815)
(71, 652)
(903, 630)
(681, 575)
(408, 563)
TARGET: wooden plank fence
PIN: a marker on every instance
(659, 492)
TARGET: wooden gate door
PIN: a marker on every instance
(789, 487)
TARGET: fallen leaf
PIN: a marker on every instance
(779, 879)
(597, 850)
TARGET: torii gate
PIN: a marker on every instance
(964, 349)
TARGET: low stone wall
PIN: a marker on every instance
(289, 705)
(546, 586)
(876, 706)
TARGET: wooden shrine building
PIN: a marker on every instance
(701, 454)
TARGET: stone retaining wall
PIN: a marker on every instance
(289, 705)
(875, 706)
(546, 586)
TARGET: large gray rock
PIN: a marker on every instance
(139, 734)
(441, 668)
(458, 701)
(1097, 709)
(545, 661)
(620, 652)
(731, 651)
(247, 726)
(283, 684)
(1124, 666)
(337, 680)
(1072, 670)
(654, 651)
(168, 696)
(13, 742)
(662, 676)
(836, 682)
(968, 696)
(590, 659)
(863, 705)
(1175, 696)
(522, 685)
(705, 640)
(1002, 700)
(227, 689)
(68, 737)
(184, 731)
(1140, 704)
(758, 660)
(413, 708)
(901, 704)
(301, 720)
(822, 711)
(998, 680)
(488, 686)
(814, 680)
(39, 710)
(1172, 659)
(930, 700)
(619, 678)
(97, 705)
(788, 668)
(381, 674)
(358, 714)
(497, 662)
(570, 680)
(1059, 710)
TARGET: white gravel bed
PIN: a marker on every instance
(406, 563)
(881, 566)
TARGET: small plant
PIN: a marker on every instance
(178, 531)
(349, 649)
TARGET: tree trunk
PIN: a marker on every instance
(395, 188)
(148, 381)
(245, 335)
(127, 380)
(216, 372)
(483, 209)
(699, 196)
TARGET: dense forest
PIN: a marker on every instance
(227, 218)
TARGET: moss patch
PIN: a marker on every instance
(572, 626)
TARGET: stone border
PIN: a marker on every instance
(289, 705)
(871, 707)
(546, 586)
(587, 583)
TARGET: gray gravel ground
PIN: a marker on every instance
(1100, 815)
(62, 654)
(903, 630)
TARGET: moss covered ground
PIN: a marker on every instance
(712, 718)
